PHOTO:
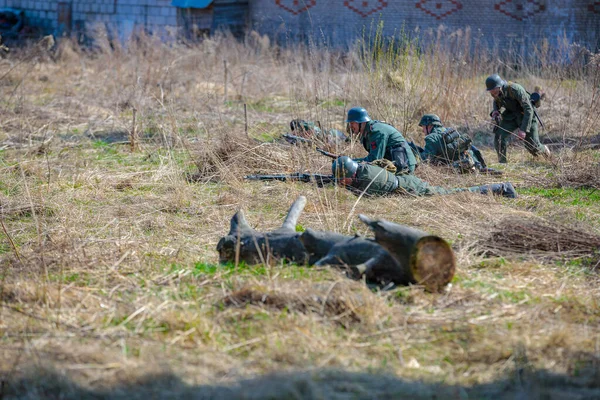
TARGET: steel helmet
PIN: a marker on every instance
(358, 114)
(344, 167)
(302, 125)
(494, 81)
(430, 119)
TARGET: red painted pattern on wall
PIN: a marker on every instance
(594, 7)
(519, 9)
(439, 8)
(295, 6)
(365, 8)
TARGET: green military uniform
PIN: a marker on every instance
(449, 147)
(325, 135)
(374, 180)
(436, 149)
(382, 140)
(518, 113)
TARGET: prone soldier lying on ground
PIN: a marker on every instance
(303, 131)
(380, 179)
(447, 146)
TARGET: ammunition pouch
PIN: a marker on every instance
(399, 157)
(386, 164)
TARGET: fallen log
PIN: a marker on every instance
(425, 259)
(245, 244)
(398, 254)
(318, 243)
(366, 257)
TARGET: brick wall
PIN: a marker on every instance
(339, 22)
(123, 15)
(494, 21)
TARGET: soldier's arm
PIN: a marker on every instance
(377, 144)
(523, 98)
(495, 106)
(432, 149)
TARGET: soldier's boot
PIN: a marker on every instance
(490, 171)
(546, 153)
(500, 189)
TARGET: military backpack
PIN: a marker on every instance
(535, 97)
(456, 143)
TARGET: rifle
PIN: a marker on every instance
(417, 150)
(326, 153)
(293, 139)
(538, 117)
(319, 179)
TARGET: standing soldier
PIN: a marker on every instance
(381, 140)
(377, 180)
(518, 116)
(447, 146)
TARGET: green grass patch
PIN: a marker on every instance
(77, 278)
(566, 196)
(8, 189)
(241, 268)
(333, 103)
(4, 248)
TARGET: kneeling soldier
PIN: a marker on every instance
(381, 140)
(376, 180)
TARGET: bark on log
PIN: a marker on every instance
(243, 243)
(366, 257)
(318, 243)
(428, 259)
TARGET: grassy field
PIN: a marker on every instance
(111, 286)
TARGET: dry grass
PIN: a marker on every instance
(543, 239)
(109, 283)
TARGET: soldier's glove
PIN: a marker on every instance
(385, 164)
(496, 117)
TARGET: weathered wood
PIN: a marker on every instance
(318, 243)
(366, 257)
(243, 243)
(289, 224)
(427, 258)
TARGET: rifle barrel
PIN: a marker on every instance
(319, 179)
(326, 153)
(293, 138)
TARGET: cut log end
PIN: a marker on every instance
(432, 263)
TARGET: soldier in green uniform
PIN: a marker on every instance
(309, 130)
(447, 146)
(381, 140)
(514, 110)
(374, 180)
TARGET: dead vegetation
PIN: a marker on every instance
(110, 282)
(542, 240)
(579, 174)
(336, 303)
